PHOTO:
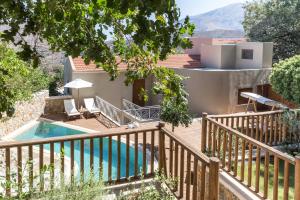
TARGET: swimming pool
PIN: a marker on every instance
(45, 129)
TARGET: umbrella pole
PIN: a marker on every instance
(78, 99)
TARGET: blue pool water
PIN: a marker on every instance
(48, 130)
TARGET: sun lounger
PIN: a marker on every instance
(91, 106)
(260, 99)
(70, 108)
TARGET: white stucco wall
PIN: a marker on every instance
(216, 91)
(211, 56)
(268, 55)
(228, 53)
(111, 91)
(256, 62)
(67, 73)
(208, 90)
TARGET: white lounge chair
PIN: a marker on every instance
(91, 106)
(70, 108)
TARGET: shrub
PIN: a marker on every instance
(39, 80)
(291, 118)
(83, 190)
(14, 82)
(57, 81)
(285, 78)
(18, 80)
(157, 190)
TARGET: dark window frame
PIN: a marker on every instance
(247, 54)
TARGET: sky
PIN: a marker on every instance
(194, 7)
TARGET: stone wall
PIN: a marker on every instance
(25, 111)
(55, 105)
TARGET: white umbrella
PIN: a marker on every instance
(78, 84)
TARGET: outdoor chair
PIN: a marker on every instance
(91, 106)
(70, 108)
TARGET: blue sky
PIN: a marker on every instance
(194, 7)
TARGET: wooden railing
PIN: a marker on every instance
(197, 176)
(241, 142)
(266, 127)
(113, 156)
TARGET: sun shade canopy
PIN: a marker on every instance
(78, 83)
(263, 100)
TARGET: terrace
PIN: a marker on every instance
(219, 145)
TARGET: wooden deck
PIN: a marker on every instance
(190, 135)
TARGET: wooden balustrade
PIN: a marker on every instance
(267, 127)
(116, 157)
(196, 176)
(242, 142)
(68, 156)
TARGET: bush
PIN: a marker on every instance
(291, 118)
(57, 81)
(285, 78)
(18, 80)
(83, 190)
(157, 190)
(39, 80)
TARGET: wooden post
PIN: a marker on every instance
(161, 145)
(203, 132)
(297, 178)
(7, 173)
(213, 183)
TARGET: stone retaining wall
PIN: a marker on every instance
(55, 105)
(25, 111)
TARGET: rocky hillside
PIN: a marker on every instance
(50, 60)
(221, 22)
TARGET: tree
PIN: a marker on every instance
(174, 107)
(17, 80)
(274, 21)
(139, 33)
(13, 73)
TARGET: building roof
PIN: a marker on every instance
(173, 61)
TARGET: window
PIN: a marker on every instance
(247, 54)
(243, 100)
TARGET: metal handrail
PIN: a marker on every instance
(110, 111)
(147, 113)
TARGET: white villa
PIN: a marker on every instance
(216, 68)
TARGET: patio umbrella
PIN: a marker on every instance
(78, 84)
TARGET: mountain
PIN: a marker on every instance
(222, 22)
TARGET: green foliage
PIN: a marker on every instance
(174, 107)
(274, 21)
(285, 78)
(57, 81)
(156, 190)
(89, 189)
(38, 79)
(17, 79)
(291, 118)
(139, 33)
(82, 27)
(13, 79)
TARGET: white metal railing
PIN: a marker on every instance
(128, 105)
(148, 113)
(110, 111)
(131, 112)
